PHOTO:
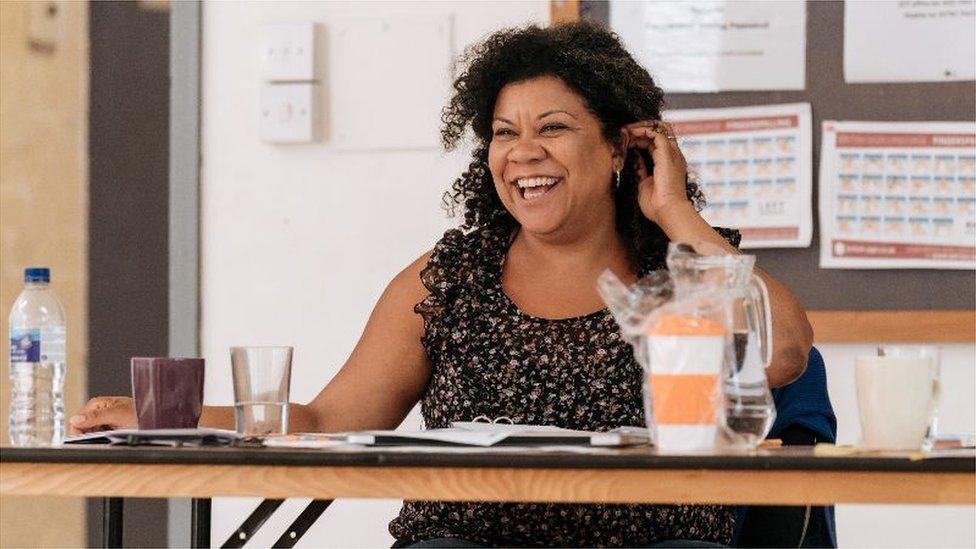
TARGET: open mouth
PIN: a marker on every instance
(533, 188)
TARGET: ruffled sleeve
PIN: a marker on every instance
(461, 268)
(447, 271)
(441, 275)
(732, 236)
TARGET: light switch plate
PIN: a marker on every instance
(288, 52)
(289, 113)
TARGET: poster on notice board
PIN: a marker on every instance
(754, 167)
(898, 195)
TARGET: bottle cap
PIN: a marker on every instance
(37, 274)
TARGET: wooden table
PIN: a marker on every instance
(778, 476)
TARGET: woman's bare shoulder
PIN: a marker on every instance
(407, 284)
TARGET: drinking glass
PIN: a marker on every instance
(167, 392)
(921, 353)
(896, 396)
(262, 378)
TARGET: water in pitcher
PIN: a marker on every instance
(748, 409)
(748, 418)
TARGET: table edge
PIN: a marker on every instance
(487, 460)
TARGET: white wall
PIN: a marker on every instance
(905, 525)
(298, 242)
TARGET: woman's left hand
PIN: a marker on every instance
(663, 191)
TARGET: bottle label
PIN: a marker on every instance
(25, 345)
(52, 344)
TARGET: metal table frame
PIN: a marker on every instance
(113, 512)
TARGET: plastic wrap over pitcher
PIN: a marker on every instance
(702, 333)
(682, 343)
(747, 411)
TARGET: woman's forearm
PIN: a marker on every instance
(217, 417)
(301, 418)
(682, 223)
(792, 334)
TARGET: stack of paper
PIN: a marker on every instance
(491, 434)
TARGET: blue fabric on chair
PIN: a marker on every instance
(805, 402)
(804, 405)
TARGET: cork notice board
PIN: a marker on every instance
(851, 305)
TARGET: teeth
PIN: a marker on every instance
(536, 182)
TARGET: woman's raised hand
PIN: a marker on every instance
(103, 414)
(662, 193)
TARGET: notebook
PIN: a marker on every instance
(158, 437)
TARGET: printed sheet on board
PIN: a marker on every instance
(754, 167)
(716, 45)
(898, 195)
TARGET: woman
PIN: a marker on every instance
(504, 319)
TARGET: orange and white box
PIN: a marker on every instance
(685, 356)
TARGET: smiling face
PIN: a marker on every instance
(548, 158)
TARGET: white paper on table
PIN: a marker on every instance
(916, 41)
(754, 167)
(714, 45)
(898, 195)
(517, 429)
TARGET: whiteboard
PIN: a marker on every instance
(388, 79)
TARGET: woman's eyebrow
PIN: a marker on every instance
(552, 112)
(540, 117)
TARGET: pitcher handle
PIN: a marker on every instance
(761, 317)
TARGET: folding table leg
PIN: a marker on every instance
(303, 523)
(200, 523)
(251, 524)
(112, 510)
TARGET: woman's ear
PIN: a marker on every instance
(620, 146)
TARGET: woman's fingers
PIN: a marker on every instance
(658, 139)
(642, 124)
(101, 413)
(667, 129)
(637, 129)
(666, 141)
(643, 137)
(656, 125)
(656, 143)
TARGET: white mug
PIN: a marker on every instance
(896, 397)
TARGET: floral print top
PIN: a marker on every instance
(489, 358)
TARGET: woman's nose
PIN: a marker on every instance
(526, 149)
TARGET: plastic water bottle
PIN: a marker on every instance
(37, 363)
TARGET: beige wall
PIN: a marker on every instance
(43, 214)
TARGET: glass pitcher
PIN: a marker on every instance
(747, 410)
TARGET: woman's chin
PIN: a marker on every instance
(539, 223)
(543, 216)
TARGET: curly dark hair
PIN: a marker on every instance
(615, 88)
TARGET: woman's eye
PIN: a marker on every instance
(553, 127)
(504, 132)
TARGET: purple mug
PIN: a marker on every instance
(168, 392)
